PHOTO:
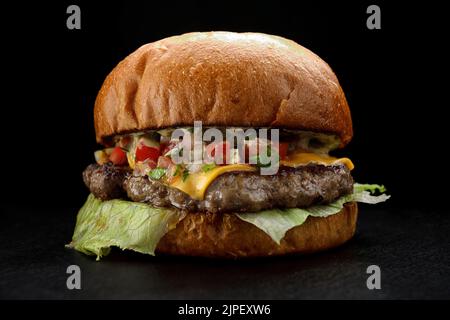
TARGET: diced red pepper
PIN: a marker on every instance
(143, 153)
(282, 150)
(250, 152)
(164, 162)
(219, 151)
(124, 142)
(254, 151)
(166, 147)
(118, 157)
(151, 163)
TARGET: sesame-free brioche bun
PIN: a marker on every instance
(222, 79)
(227, 236)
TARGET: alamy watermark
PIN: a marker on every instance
(374, 280)
(374, 19)
(73, 21)
(74, 279)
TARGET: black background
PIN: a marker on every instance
(54, 74)
(393, 80)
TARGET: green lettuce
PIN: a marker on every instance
(139, 227)
(124, 224)
(277, 222)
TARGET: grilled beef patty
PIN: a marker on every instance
(105, 181)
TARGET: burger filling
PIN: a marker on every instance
(140, 167)
(230, 192)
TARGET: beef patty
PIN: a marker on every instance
(105, 181)
(234, 191)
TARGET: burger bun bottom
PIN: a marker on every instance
(227, 236)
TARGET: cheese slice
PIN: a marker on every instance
(131, 161)
(304, 158)
(195, 184)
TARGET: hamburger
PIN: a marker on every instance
(143, 198)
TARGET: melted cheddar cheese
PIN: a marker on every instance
(195, 184)
(304, 158)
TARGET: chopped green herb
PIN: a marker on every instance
(157, 173)
(209, 166)
(267, 159)
(185, 175)
(177, 170)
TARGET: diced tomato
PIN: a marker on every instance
(163, 147)
(124, 142)
(164, 162)
(166, 147)
(143, 153)
(282, 150)
(173, 173)
(151, 163)
(118, 157)
(250, 152)
(254, 150)
(219, 151)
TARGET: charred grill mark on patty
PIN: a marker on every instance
(106, 181)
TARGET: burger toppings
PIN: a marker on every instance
(158, 149)
(219, 151)
(282, 150)
(298, 159)
(195, 184)
(102, 156)
(149, 154)
(152, 155)
(118, 157)
(157, 173)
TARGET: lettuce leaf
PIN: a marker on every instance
(124, 224)
(277, 222)
(372, 188)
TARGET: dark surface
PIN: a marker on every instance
(411, 247)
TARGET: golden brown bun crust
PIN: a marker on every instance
(225, 235)
(222, 79)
